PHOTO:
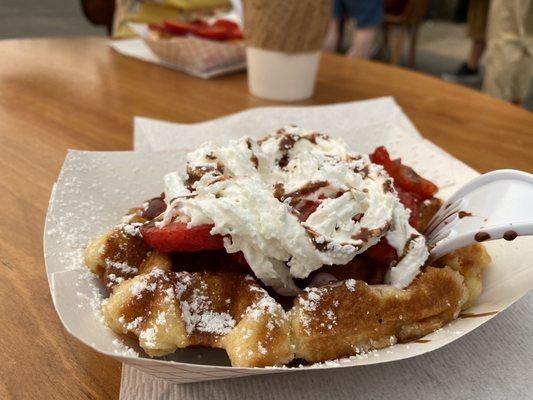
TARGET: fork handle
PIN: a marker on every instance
(508, 232)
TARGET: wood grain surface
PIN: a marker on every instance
(57, 94)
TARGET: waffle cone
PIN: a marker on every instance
(290, 26)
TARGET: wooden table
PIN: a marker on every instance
(57, 94)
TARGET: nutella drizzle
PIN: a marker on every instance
(253, 157)
(481, 236)
(463, 214)
(387, 185)
(194, 174)
(288, 141)
(510, 235)
(313, 235)
(357, 217)
(309, 188)
(155, 207)
(279, 191)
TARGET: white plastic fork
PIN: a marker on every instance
(495, 205)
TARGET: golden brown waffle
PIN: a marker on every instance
(118, 256)
(470, 262)
(167, 310)
(171, 310)
(351, 317)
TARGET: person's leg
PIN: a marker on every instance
(368, 16)
(477, 28)
(332, 36)
(477, 48)
(363, 43)
(509, 52)
(468, 71)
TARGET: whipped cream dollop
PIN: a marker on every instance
(293, 202)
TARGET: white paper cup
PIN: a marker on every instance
(275, 75)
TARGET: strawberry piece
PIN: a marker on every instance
(412, 202)
(382, 252)
(212, 32)
(177, 237)
(156, 27)
(180, 28)
(403, 175)
(233, 31)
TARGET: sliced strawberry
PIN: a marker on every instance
(211, 32)
(381, 156)
(157, 27)
(382, 252)
(179, 28)
(233, 31)
(177, 237)
(412, 202)
(403, 175)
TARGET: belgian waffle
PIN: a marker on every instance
(168, 310)
(286, 248)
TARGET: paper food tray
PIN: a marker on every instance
(192, 53)
(95, 188)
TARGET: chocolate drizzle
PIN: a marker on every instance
(194, 174)
(313, 136)
(288, 141)
(313, 235)
(510, 235)
(366, 234)
(481, 236)
(253, 157)
(387, 185)
(297, 195)
(463, 214)
(357, 217)
(279, 191)
(155, 207)
(285, 145)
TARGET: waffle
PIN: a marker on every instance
(168, 310)
(325, 232)
(351, 317)
(117, 256)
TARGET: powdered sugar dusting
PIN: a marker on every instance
(350, 284)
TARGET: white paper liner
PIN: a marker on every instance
(94, 189)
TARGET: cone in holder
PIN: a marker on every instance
(284, 39)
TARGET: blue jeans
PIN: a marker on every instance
(367, 13)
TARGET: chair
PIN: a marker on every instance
(407, 22)
(99, 12)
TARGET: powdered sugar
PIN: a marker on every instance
(206, 321)
(350, 284)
